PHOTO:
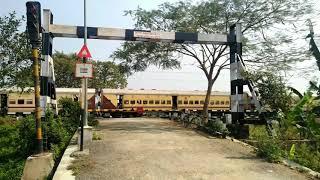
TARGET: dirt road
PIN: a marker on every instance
(143, 148)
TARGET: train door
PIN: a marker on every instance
(174, 102)
(120, 101)
(3, 104)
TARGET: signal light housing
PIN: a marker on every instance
(34, 22)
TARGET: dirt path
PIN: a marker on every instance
(143, 148)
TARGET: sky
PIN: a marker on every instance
(107, 13)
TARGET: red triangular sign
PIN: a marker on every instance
(84, 52)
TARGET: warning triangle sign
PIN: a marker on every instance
(84, 52)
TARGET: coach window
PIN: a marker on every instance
(168, 102)
(163, 101)
(151, 102)
(20, 101)
(157, 102)
(222, 102)
(126, 102)
(190, 102)
(179, 102)
(145, 102)
(185, 102)
(227, 102)
(201, 102)
(196, 102)
(217, 102)
(12, 102)
(132, 102)
(139, 101)
(211, 102)
(29, 101)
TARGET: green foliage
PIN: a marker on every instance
(218, 127)
(272, 90)
(302, 115)
(17, 140)
(292, 151)
(70, 113)
(270, 149)
(308, 156)
(257, 132)
(96, 136)
(11, 169)
(15, 65)
(92, 121)
(106, 74)
(14, 147)
(64, 68)
(56, 132)
(27, 134)
(258, 18)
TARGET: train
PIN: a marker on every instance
(122, 102)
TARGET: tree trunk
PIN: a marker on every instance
(206, 103)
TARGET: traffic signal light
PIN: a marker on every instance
(34, 22)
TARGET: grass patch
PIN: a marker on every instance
(270, 149)
(96, 136)
(79, 164)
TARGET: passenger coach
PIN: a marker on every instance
(118, 102)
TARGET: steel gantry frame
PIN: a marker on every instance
(233, 40)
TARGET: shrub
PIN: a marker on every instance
(12, 169)
(307, 156)
(270, 149)
(217, 128)
(27, 135)
(56, 131)
(92, 121)
(70, 113)
(18, 137)
(14, 146)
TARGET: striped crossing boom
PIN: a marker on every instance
(233, 40)
(137, 35)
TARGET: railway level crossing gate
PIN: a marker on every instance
(233, 39)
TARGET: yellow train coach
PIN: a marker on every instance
(117, 101)
(125, 101)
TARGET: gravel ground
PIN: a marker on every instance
(142, 148)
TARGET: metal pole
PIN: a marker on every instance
(85, 118)
(35, 54)
(84, 121)
(81, 138)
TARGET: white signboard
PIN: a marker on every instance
(147, 35)
(84, 70)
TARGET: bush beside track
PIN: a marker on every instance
(17, 140)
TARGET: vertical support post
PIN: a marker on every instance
(233, 75)
(240, 79)
(35, 55)
(84, 80)
(47, 78)
(84, 61)
(237, 110)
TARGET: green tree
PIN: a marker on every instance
(105, 75)
(257, 17)
(64, 70)
(15, 53)
(273, 92)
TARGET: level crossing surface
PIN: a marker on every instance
(145, 148)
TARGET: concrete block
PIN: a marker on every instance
(87, 136)
(38, 167)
